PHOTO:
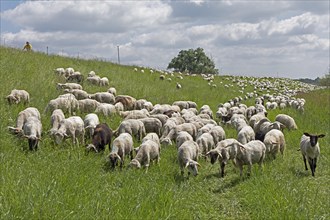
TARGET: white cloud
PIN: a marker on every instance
(252, 38)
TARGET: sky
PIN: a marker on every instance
(248, 38)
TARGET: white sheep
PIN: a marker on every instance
(68, 104)
(310, 150)
(32, 129)
(119, 107)
(182, 137)
(103, 97)
(90, 122)
(218, 134)
(134, 114)
(106, 109)
(188, 154)
(94, 80)
(88, 105)
(205, 142)
(68, 86)
(223, 154)
(246, 134)
(78, 93)
(22, 118)
(163, 118)
(148, 151)
(121, 146)
(112, 90)
(152, 136)
(16, 96)
(188, 127)
(104, 81)
(55, 119)
(152, 125)
(274, 142)
(70, 127)
(132, 126)
(287, 121)
(248, 154)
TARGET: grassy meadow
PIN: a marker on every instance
(62, 182)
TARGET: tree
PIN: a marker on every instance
(193, 61)
(325, 81)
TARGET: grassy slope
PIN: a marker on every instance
(64, 183)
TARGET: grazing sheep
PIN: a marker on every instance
(310, 150)
(246, 134)
(223, 154)
(112, 90)
(188, 156)
(59, 71)
(152, 125)
(263, 126)
(181, 104)
(55, 119)
(22, 118)
(78, 93)
(104, 81)
(90, 122)
(68, 71)
(255, 118)
(132, 126)
(75, 77)
(16, 96)
(70, 127)
(94, 80)
(287, 121)
(163, 118)
(153, 137)
(106, 109)
(205, 109)
(68, 86)
(103, 97)
(32, 131)
(135, 114)
(88, 105)
(182, 137)
(205, 143)
(218, 134)
(121, 146)
(248, 154)
(102, 136)
(67, 104)
(188, 127)
(148, 151)
(119, 107)
(274, 142)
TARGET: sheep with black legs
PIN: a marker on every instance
(121, 146)
(310, 149)
(32, 131)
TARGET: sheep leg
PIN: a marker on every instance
(249, 169)
(312, 165)
(222, 167)
(304, 158)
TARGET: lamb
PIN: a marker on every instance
(104, 81)
(310, 150)
(274, 142)
(148, 151)
(287, 121)
(68, 86)
(22, 118)
(16, 96)
(75, 77)
(188, 156)
(112, 90)
(106, 109)
(55, 119)
(152, 125)
(248, 154)
(102, 136)
(132, 126)
(223, 154)
(88, 105)
(182, 137)
(70, 127)
(90, 122)
(32, 131)
(121, 146)
(205, 143)
(103, 97)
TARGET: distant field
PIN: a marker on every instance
(62, 182)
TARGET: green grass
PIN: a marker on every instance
(62, 182)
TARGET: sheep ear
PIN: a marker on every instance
(306, 134)
(187, 164)
(198, 164)
(207, 154)
(118, 157)
(321, 136)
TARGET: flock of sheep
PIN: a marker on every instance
(196, 132)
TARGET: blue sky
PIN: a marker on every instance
(252, 38)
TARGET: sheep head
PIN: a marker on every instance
(313, 138)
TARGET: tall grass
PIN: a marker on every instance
(62, 182)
